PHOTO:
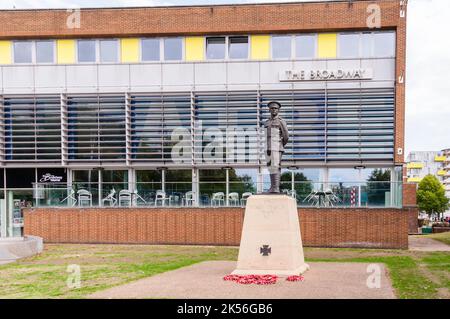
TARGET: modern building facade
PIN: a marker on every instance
(422, 163)
(163, 106)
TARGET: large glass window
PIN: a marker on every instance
(86, 51)
(45, 52)
(23, 52)
(384, 44)
(305, 46)
(366, 44)
(215, 48)
(348, 45)
(238, 47)
(85, 186)
(109, 51)
(173, 49)
(281, 47)
(178, 186)
(150, 49)
(242, 180)
(148, 182)
(212, 187)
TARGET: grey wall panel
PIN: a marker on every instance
(343, 64)
(20, 77)
(276, 86)
(269, 71)
(240, 87)
(383, 69)
(377, 84)
(309, 85)
(114, 75)
(243, 72)
(215, 87)
(176, 74)
(50, 77)
(83, 77)
(145, 75)
(343, 85)
(210, 73)
(310, 65)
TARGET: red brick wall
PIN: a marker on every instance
(245, 18)
(409, 194)
(356, 227)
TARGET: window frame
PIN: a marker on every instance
(292, 53)
(338, 45)
(316, 47)
(54, 56)
(160, 50)
(33, 52)
(163, 48)
(118, 60)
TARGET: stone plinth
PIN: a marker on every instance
(271, 242)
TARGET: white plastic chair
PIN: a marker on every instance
(244, 198)
(160, 196)
(233, 199)
(111, 199)
(189, 199)
(84, 196)
(217, 199)
(124, 198)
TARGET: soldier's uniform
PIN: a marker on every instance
(277, 137)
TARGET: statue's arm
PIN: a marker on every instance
(284, 132)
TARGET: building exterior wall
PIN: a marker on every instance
(358, 227)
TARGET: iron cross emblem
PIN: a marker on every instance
(265, 250)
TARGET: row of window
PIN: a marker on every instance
(333, 125)
(306, 46)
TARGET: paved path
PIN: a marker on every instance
(204, 280)
(421, 243)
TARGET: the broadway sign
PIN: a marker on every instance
(326, 75)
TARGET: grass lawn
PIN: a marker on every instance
(442, 237)
(413, 274)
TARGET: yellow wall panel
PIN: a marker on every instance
(260, 47)
(5, 52)
(326, 45)
(195, 48)
(65, 51)
(129, 50)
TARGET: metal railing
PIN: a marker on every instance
(218, 194)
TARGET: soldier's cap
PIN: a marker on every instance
(273, 103)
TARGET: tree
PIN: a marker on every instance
(431, 196)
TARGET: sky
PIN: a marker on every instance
(428, 61)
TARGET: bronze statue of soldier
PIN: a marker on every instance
(277, 137)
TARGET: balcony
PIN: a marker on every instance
(440, 158)
(414, 179)
(414, 165)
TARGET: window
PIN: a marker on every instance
(109, 51)
(366, 44)
(86, 51)
(384, 44)
(44, 52)
(23, 52)
(238, 48)
(349, 45)
(215, 48)
(150, 50)
(173, 49)
(305, 46)
(281, 47)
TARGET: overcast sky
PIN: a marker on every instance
(428, 61)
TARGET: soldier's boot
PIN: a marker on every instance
(274, 183)
(276, 179)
